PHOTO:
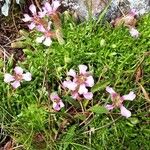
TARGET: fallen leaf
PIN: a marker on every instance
(8, 146)
(138, 74)
(146, 95)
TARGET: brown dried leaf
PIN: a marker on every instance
(128, 21)
(8, 146)
(138, 74)
(146, 95)
(39, 137)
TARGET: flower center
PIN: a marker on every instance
(48, 34)
(18, 77)
(38, 21)
(56, 101)
(81, 79)
(117, 101)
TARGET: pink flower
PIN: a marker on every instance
(134, 32)
(133, 12)
(79, 83)
(46, 38)
(35, 20)
(18, 76)
(50, 9)
(57, 102)
(117, 101)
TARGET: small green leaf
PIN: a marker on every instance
(68, 138)
(72, 102)
(99, 86)
(98, 109)
(80, 116)
(134, 120)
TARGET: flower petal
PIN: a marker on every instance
(27, 76)
(54, 96)
(40, 39)
(71, 73)
(47, 41)
(33, 9)
(61, 104)
(49, 25)
(56, 106)
(55, 4)
(74, 95)
(15, 84)
(88, 95)
(31, 26)
(109, 107)
(110, 90)
(82, 89)
(89, 81)
(70, 85)
(125, 112)
(133, 12)
(18, 70)
(131, 96)
(48, 7)
(40, 28)
(42, 13)
(134, 32)
(27, 18)
(8, 78)
(82, 69)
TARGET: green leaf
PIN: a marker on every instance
(80, 116)
(99, 86)
(98, 109)
(72, 102)
(68, 139)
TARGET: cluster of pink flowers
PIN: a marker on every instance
(78, 83)
(38, 22)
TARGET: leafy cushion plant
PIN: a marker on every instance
(113, 58)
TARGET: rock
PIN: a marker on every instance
(117, 8)
(86, 8)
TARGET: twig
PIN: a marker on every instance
(81, 106)
(13, 16)
(86, 119)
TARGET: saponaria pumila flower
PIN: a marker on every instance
(47, 34)
(57, 102)
(134, 32)
(129, 21)
(35, 19)
(117, 101)
(49, 9)
(78, 83)
(17, 78)
(42, 24)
